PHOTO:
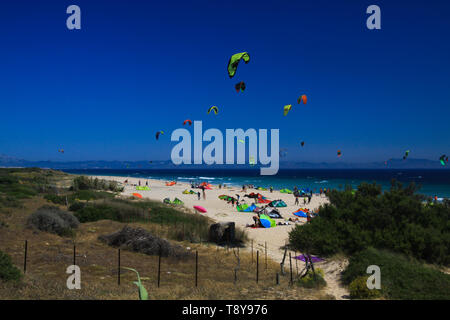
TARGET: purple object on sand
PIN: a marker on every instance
(314, 259)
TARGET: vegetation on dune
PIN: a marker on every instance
(182, 225)
(313, 279)
(399, 221)
(54, 220)
(401, 277)
(8, 272)
(86, 183)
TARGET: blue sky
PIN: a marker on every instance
(137, 67)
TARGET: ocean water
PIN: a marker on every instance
(432, 182)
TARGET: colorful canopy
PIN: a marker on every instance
(137, 195)
(234, 62)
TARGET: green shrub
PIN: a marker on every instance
(86, 183)
(313, 280)
(53, 220)
(56, 199)
(401, 277)
(8, 272)
(396, 220)
(359, 290)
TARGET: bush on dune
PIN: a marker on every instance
(397, 220)
(86, 183)
(54, 220)
(8, 272)
(401, 277)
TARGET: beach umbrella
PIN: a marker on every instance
(137, 195)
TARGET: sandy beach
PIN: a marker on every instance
(219, 210)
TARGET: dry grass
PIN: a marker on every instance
(49, 255)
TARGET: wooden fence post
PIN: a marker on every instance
(265, 248)
(252, 251)
(118, 269)
(159, 266)
(196, 267)
(257, 266)
(25, 257)
(290, 267)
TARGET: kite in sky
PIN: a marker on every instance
(213, 108)
(302, 143)
(234, 62)
(339, 153)
(443, 159)
(158, 133)
(406, 155)
(302, 98)
(187, 121)
(240, 86)
(287, 108)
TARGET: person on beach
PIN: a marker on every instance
(198, 195)
(320, 191)
(146, 183)
(238, 196)
(296, 199)
(232, 202)
(204, 193)
(220, 186)
(304, 200)
(271, 189)
(309, 199)
(139, 182)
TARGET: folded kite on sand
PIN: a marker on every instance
(313, 258)
(200, 209)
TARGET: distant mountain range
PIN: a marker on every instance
(410, 163)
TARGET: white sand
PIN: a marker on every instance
(219, 210)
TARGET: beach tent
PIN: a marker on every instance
(137, 195)
(142, 188)
(261, 188)
(188, 192)
(266, 221)
(166, 200)
(171, 183)
(278, 203)
(285, 190)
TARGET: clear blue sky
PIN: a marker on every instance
(137, 67)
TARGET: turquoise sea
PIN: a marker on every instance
(432, 182)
